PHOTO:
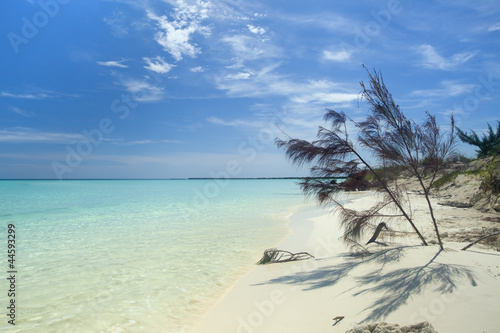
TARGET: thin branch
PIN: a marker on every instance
(480, 239)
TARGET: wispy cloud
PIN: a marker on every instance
(494, 27)
(176, 34)
(117, 23)
(113, 63)
(158, 65)
(251, 47)
(237, 122)
(197, 69)
(324, 97)
(256, 29)
(449, 89)
(433, 60)
(21, 112)
(30, 135)
(38, 93)
(142, 91)
(24, 95)
(239, 76)
(330, 21)
(265, 82)
(143, 142)
(339, 56)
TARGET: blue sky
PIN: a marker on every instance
(161, 89)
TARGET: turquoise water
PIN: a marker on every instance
(133, 255)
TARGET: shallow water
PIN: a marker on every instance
(133, 255)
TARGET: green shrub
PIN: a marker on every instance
(491, 179)
(447, 178)
(488, 144)
(450, 177)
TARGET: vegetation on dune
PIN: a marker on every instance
(488, 144)
(491, 180)
(451, 176)
(396, 142)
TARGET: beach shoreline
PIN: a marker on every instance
(401, 283)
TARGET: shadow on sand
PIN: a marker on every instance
(395, 286)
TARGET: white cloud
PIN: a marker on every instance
(450, 89)
(29, 135)
(117, 23)
(24, 96)
(176, 35)
(21, 112)
(330, 21)
(158, 65)
(143, 91)
(256, 30)
(454, 111)
(265, 83)
(237, 123)
(339, 56)
(113, 63)
(143, 142)
(252, 47)
(494, 27)
(239, 76)
(433, 60)
(197, 69)
(325, 97)
(37, 94)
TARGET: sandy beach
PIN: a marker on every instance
(401, 282)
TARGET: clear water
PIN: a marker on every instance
(133, 255)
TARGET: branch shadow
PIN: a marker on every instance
(485, 253)
(330, 275)
(396, 286)
(399, 285)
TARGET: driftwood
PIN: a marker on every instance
(274, 255)
(480, 239)
(377, 232)
(337, 320)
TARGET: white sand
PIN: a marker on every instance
(402, 283)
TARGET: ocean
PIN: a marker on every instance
(131, 255)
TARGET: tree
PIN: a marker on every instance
(488, 145)
(392, 138)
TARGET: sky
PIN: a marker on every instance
(188, 88)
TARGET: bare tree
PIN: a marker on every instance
(392, 138)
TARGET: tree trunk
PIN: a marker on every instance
(431, 211)
(396, 202)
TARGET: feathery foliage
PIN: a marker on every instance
(393, 139)
(488, 145)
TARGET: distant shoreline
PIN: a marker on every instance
(189, 178)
